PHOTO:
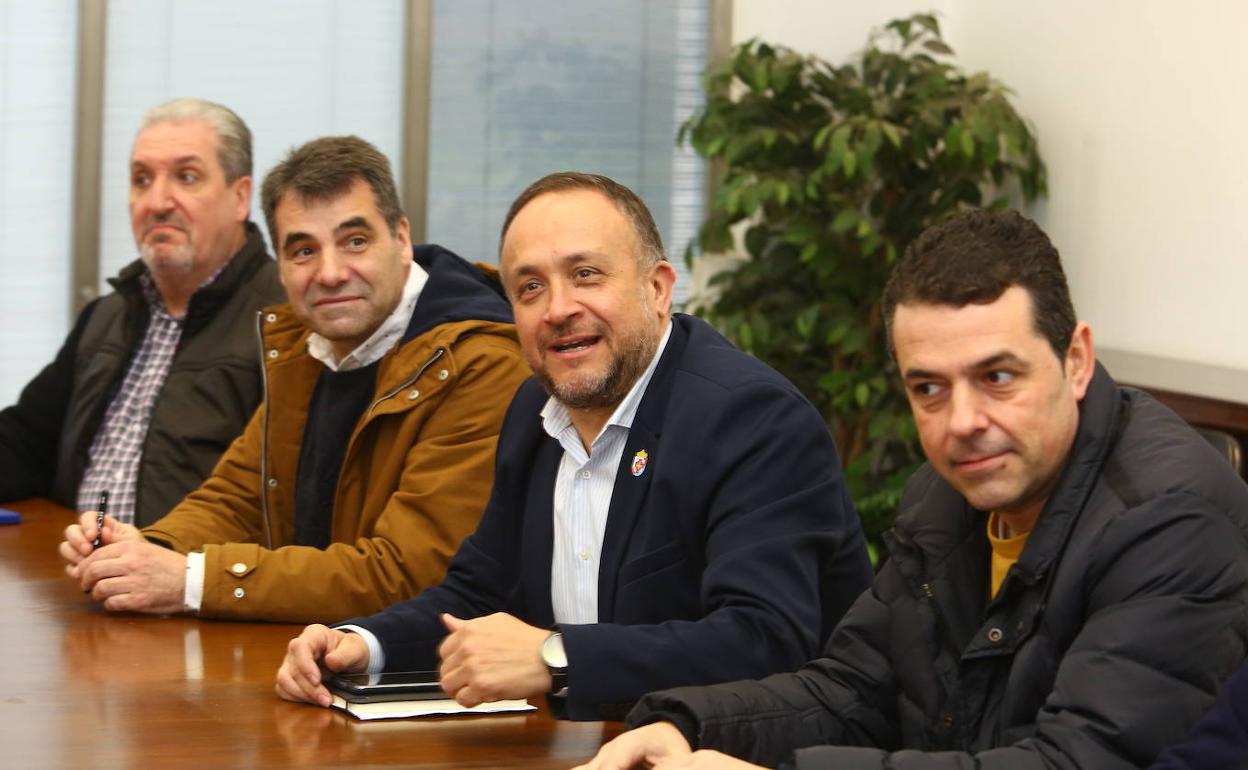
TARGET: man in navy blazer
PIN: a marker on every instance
(666, 509)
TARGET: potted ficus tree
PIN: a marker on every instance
(829, 172)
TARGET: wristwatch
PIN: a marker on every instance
(556, 661)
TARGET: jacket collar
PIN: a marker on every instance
(208, 299)
(1100, 421)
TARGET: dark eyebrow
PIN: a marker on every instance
(295, 237)
(566, 260)
(179, 161)
(919, 374)
(999, 359)
(354, 223)
(990, 362)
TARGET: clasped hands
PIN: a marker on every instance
(126, 573)
(495, 657)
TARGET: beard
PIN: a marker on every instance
(607, 388)
(178, 259)
(160, 254)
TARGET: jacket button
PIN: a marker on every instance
(994, 635)
(271, 317)
(415, 394)
(239, 593)
(272, 483)
(273, 353)
(947, 721)
(442, 375)
(239, 568)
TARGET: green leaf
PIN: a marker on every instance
(937, 46)
(928, 22)
(809, 251)
(745, 336)
(845, 219)
(839, 145)
(968, 144)
(821, 136)
(891, 132)
(805, 321)
(758, 79)
(901, 27)
(849, 163)
(871, 244)
(799, 232)
(750, 199)
(756, 239)
(862, 394)
(953, 139)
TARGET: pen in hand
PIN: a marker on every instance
(100, 510)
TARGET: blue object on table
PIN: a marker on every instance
(10, 517)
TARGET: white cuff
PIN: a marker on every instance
(194, 595)
(376, 658)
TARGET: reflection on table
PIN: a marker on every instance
(82, 688)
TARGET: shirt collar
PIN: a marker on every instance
(383, 338)
(156, 303)
(556, 418)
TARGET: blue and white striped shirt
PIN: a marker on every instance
(583, 487)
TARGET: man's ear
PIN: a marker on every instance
(662, 279)
(1080, 360)
(242, 198)
(403, 234)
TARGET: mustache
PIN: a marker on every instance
(171, 219)
(966, 451)
(573, 330)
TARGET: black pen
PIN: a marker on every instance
(100, 509)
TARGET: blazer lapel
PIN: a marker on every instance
(538, 539)
(627, 498)
(632, 478)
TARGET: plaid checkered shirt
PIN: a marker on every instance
(118, 445)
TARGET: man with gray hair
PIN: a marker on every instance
(158, 377)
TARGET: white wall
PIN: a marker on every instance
(1141, 112)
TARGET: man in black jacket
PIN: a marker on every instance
(156, 379)
(1067, 579)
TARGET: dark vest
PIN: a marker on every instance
(214, 384)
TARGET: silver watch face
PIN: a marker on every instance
(553, 654)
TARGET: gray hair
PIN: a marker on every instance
(233, 136)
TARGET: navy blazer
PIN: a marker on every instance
(731, 556)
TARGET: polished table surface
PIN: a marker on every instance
(83, 688)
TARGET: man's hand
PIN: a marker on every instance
(650, 746)
(299, 677)
(79, 537)
(135, 576)
(492, 658)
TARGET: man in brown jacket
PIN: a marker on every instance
(387, 377)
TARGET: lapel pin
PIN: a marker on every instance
(639, 462)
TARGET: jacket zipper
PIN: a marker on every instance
(436, 355)
(264, 438)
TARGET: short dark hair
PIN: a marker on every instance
(972, 258)
(325, 168)
(625, 200)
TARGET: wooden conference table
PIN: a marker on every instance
(82, 688)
